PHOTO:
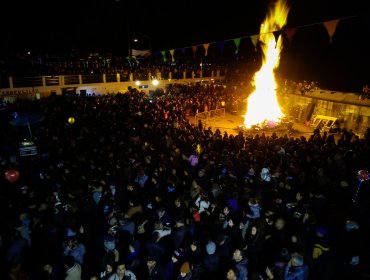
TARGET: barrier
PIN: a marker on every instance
(210, 115)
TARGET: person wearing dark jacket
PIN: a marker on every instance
(180, 234)
(241, 263)
(195, 259)
(133, 260)
(321, 256)
(154, 270)
(14, 252)
(156, 248)
(211, 261)
(224, 251)
(254, 247)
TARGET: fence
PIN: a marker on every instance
(210, 115)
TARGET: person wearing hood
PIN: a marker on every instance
(133, 260)
(211, 261)
(295, 268)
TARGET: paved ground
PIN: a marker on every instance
(231, 122)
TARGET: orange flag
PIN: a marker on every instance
(331, 26)
(205, 46)
(290, 32)
(194, 50)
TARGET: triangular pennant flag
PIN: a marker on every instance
(255, 39)
(205, 46)
(140, 52)
(172, 52)
(330, 26)
(276, 35)
(237, 43)
(164, 56)
(183, 50)
(290, 32)
(220, 46)
(194, 49)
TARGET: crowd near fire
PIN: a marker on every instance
(143, 183)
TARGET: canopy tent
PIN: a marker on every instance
(26, 120)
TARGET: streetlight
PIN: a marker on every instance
(155, 82)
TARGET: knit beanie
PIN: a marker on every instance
(298, 259)
(351, 225)
(211, 248)
(178, 253)
(185, 268)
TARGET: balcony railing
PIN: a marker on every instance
(125, 76)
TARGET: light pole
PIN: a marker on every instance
(126, 7)
(129, 47)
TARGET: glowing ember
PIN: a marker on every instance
(262, 103)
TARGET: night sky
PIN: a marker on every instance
(107, 25)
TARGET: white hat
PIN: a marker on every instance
(265, 175)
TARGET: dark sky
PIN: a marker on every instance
(107, 25)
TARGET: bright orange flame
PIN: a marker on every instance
(263, 105)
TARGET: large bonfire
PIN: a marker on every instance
(263, 106)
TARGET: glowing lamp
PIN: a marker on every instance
(12, 175)
(71, 120)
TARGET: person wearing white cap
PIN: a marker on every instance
(265, 174)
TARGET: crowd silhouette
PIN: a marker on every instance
(132, 190)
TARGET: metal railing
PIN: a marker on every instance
(210, 115)
(14, 83)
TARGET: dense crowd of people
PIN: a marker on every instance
(131, 190)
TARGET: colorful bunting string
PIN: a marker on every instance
(330, 26)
